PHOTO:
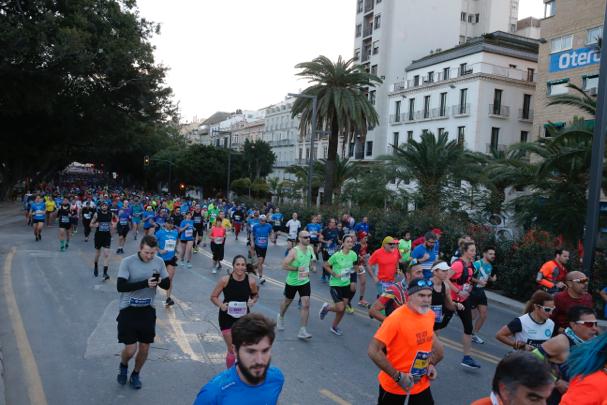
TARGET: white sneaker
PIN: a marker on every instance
(477, 339)
(303, 334)
(280, 322)
(214, 271)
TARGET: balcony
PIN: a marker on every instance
(397, 118)
(499, 111)
(460, 110)
(525, 115)
(369, 5)
(431, 114)
(398, 86)
(366, 56)
(500, 148)
(368, 30)
(282, 142)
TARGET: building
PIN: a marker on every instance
(389, 34)
(243, 123)
(570, 54)
(528, 27)
(481, 93)
(245, 130)
(282, 133)
(190, 130)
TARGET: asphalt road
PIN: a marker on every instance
(58, 333)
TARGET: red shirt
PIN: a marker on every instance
(387, 262)
(563, 302)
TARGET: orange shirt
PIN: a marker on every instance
(408, 339)
(218, 232)
(589, 390)
(387, 262)
(483, 401)
(552, 272)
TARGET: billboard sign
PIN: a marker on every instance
(574, 58)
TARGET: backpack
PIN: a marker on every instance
(466, 275)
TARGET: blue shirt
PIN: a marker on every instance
(124, 216)
(361, 227)
(228, 389)
(314, 230)
(39, 210)
(148, 216)
(419, 252)
(261, 234)
(163, 236)
(277, 218)
(187, 226)
(487, 269)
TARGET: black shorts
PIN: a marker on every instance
(261, 252)
(276, 228)
(478, 297)
(340, 293)
(226, 321)
(185, 241)
(171, 262)
(136, 325)
(303, 290)
(65, 225)
(465, 315)
(38, 221)
(103, 239)
(122, 230)
(354, 277)
(74, 221)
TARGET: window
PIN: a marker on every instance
(409, 136)
(357, 54)
(446, 73)
(530, 74)
(470, 18)
(461, 135)
(594, 34)
(426, 106)
(462, 39)
(377, 22)
(300, 153)
(359, 6)
(463, 16)
(512, 27)
(561, 43)
(558, 87)
(325, 149)
(225, 142)
(351, 149)
(397, 110)
(374, 70)
(359, 30)
(463, 98)
(477, 18)
(395, 139)
(369, 151)
(497, 101)
(526, 106)
(430, 77)
(495, 138)
(524, 136)
(463, 69)
(372, 97)
(442, 111)
(441, 131)
(375, 47)
(416, 80)
(549, 8)
(411, 109)
(591, 82)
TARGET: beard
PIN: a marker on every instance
(247, 373)
(422, 309)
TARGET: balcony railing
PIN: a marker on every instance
(282, 142)
(460, 110)
(499, 111)
(499, 147)
(525, 115)
(368, 30)
(369, 5)
(397, 118)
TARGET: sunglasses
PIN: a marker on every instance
(588, 324)
(424, 283)
(547, 309)
(304, 237)
(580, 280)
(391, 244)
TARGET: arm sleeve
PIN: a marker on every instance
(123, 285)
(515, 326)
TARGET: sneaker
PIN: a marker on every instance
(122, 375)
(303, 334)
(349, 309)
(105, 277)
(336, 331)
(363, 303)
(67, 245)
(135, 382)
(280, 323)
(118, 251)
(189, 265)
(62, 248)
(478, 340)
(169, 301)
(214, 271)
(262, 280)
(96, 271)
(86, 239)
(469, 362)
(324, 310)
(182, 263)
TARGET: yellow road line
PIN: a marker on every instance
(35, 390)
(334, 397)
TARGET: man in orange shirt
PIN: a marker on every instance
(386, 259)
(551, 276)
(405, 350)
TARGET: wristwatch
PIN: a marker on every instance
(398, 376)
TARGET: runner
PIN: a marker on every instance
(483, 272)
(259, 244)
(576, 294)
(218, 240)
(87, 212)
(314, 229)
(65, 224)
(124, 225)
(386, 259)
(297, 264)
(198, 219)
(75, 207)
(149, 223)
(239, 295)
(339, 266)
(293, 227)
(404, 247)
(186, 236)
(405, 350)
(137, 216)
(167, 242)
(50, 207)
(361, 227)
(138, 277)
(103, 222)
(425, 253)
(395, 295)
(552, 274)
(276, 219)
(37, 213)
(442, 303)
(237, 217)
(252, 376)
(330, 242)
(361, 248)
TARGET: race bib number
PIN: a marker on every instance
(169, 245)
(123, 222)
(313, 234)
(438, 311)
(236, 217)
(86, 216)
(39, 212)
(65, 219)
(331, 250)
(277, 222)
(237, 309)
(188, 233)
(140, 302)
(197, 220)
(262, 240)
(345, 274)
(302, 275)
(420, 364)
(104, 226)
(218, 241)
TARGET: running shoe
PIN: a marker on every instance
(349, 309)
(135, 382)
(189, 265)
(96, 271)
(106, 277)
(324, 310)
(336, 331)
(469, 362)
(280, 323)
(214, 271)
(478, 340)
(169, 301)
(122, 375)
(363, 303)
(303, 334)
(262, 280)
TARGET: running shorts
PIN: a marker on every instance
(136, 324)
(303, 290)
(103, 239)
(340, 293)
(261, 252)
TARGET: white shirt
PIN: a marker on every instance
(293, 226)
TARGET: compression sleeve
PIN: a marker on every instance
(165, 283)
(123, 285)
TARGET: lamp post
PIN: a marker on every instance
(171, 164)
(312, 135)
(229, 133)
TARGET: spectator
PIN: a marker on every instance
(575, 294)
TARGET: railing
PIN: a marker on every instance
(397, 118)
(525, 115)
(369, 5)
(499, 111)
(366, 56)
(490, 147)
(282, 142)
(368, 30)
(460, 110)
(399, 86)
(430, 114)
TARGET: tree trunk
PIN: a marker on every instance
(331, 165)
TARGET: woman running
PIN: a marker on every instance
(65, 224)
(218, 238)
(442, 303)
(186, 232)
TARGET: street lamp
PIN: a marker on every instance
(312, 135)
(229, 133)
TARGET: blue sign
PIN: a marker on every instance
(574, 58)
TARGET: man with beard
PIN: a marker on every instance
(405, 350)
(251, 376)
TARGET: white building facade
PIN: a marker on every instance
(481, 93)
(282, 133)
(390, 34)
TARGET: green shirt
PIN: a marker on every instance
(404, 247)
(342, 264)
(302, 259)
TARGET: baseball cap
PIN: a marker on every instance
(437, 231)
(388, 240)
(418, 284)
(262, 216)
(441, 266)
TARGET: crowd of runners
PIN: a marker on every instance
(417, 291)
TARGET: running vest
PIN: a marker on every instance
(302, 259)
(534, 333)
(105, 221)
(438, 303)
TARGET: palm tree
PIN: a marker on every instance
(301, 178)
(343, 107)
(344, 170)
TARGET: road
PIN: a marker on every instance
(58, 333)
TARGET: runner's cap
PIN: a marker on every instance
(437, 231)
(388, 240)
(441, 266)
(262, 216)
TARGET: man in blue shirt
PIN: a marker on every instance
(251, 380)
(425, 254)
(362, 227)
(259, 244)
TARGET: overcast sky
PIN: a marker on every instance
(240, 54)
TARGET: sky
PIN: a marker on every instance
(225, 55)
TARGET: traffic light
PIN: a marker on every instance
(146, 160)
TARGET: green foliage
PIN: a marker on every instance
(242, 185)
(257, 159)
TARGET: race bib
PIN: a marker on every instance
(86, 216)
(123, 222)
(277, 222)
(169, 245)
(237, 309)
(218, 241)
(188, 233)
(236, 217)
(65, 219)
(262, 240)
(313, 234)
(331, 250)
(420, 364)
(345, 274)
(140, 302)
(197, 220)
(104, 226)
(302, 275)
(39, 212)
(438, 311)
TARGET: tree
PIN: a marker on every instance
(343, 106)
(301, 174)
(344, 170)
(257, 158)
(369, 188)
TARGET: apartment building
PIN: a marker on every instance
(247, 130)
(570, 54)
(390, 34)
(529, 27)
(481, 93)
(282, 133)
(243, 123)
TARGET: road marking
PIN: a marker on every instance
(181, 338)
(334, 397)
(35, 390)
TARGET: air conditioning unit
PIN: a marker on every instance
(592, 91)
